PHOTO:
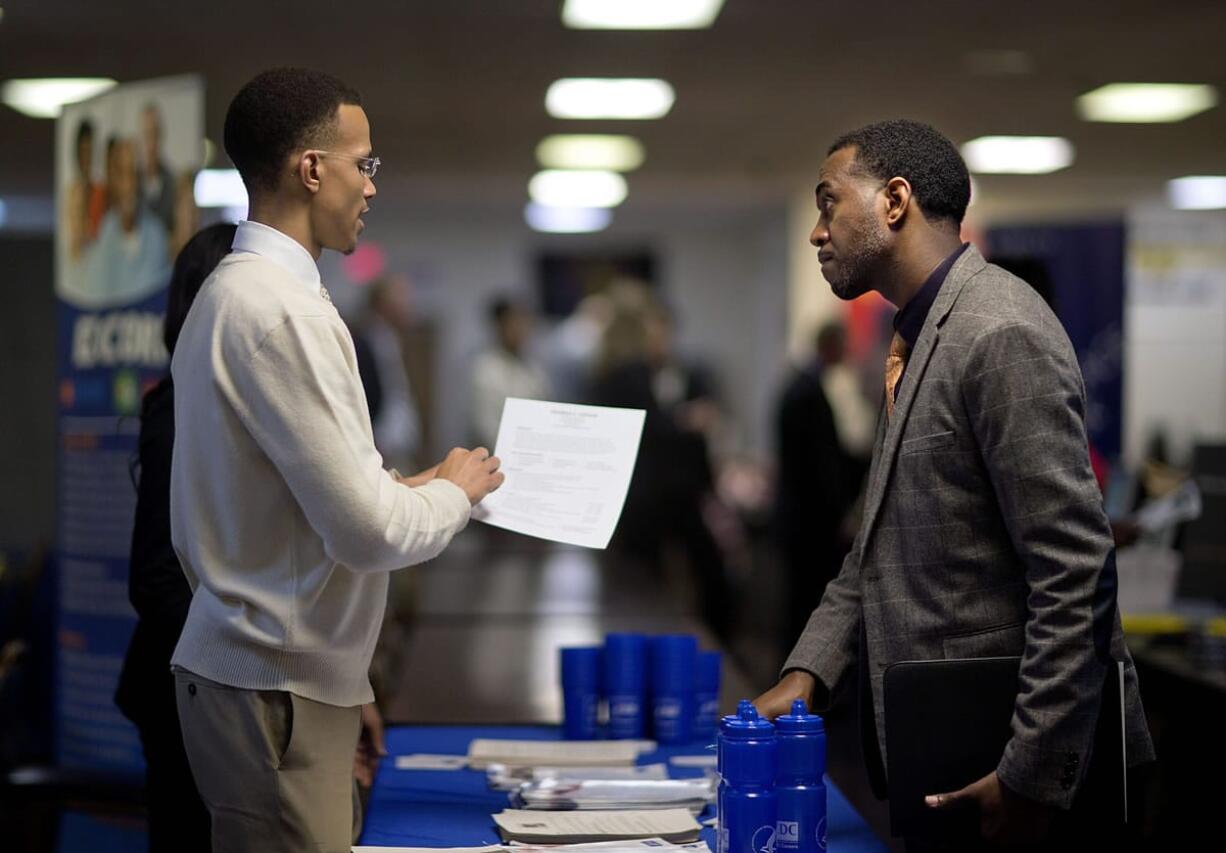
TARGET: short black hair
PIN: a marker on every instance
(195, 262)
(900, 148)
(278, 111)
(500, 307)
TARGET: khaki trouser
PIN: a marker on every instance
(274, 769)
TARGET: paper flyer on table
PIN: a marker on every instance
(567, 469)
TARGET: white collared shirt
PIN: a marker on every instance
(284, 520)
(268, 242)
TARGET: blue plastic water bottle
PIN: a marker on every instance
(673, 662)
(580, 691)
(799, 787)
(748, 764)
(706, 695)
(625, 684)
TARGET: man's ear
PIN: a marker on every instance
(898, 199)
(307, 171)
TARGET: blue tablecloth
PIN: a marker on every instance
(452, 808)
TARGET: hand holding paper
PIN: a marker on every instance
(474, 471)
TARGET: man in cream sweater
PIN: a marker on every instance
(282, 514)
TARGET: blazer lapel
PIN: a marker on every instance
(970, 263)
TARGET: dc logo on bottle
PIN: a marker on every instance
(787, 833)
(821, 834)
(763, 840)
(624, 707)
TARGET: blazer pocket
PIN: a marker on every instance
(996, 641)
(928, 443)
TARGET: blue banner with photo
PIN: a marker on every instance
(125, 163)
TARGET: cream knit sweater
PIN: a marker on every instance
(282, 515)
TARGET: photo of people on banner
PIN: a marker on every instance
(127, 161)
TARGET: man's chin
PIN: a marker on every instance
(848, 290)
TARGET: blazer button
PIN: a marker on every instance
(191, 689)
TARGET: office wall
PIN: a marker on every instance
(1175, 331)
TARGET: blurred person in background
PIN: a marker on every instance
(855, 416)
(157, 587)
(504, 370)
(818, 481)
(283, 516)
(573, 345)
(667, 505)
(389, 396)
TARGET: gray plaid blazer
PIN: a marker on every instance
(984, 532)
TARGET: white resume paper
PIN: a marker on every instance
(568, 469)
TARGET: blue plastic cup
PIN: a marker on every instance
(706, 694)
(580, 691)
(673, 667)
(625, 684)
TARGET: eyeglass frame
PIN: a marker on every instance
(368, 166)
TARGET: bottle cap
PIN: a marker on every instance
(745, 724)
(800, 721)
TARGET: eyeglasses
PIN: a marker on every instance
(368, 166)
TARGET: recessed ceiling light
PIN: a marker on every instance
(1145, 103)
(640, 14)
(46, 97)
(590, 151)
(1197, 192)
(566, 220)
(220, 188)
(577, 188)
(1018, 155)
(609, 98)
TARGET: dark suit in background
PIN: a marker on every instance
(672, 478)
(178, 820)
(818, 481)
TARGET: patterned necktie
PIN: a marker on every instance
(894, 363)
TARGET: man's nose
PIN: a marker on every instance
(819, 235)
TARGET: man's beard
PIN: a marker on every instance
(853, 275)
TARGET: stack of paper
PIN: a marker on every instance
(483, 752)
(604, 794)
(504, 778)
(537, 827)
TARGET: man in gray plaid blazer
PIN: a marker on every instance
(983, 531)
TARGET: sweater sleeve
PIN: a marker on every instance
(302, 402)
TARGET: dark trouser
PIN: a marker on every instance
(178, 820)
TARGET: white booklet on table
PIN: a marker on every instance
(567, 470)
